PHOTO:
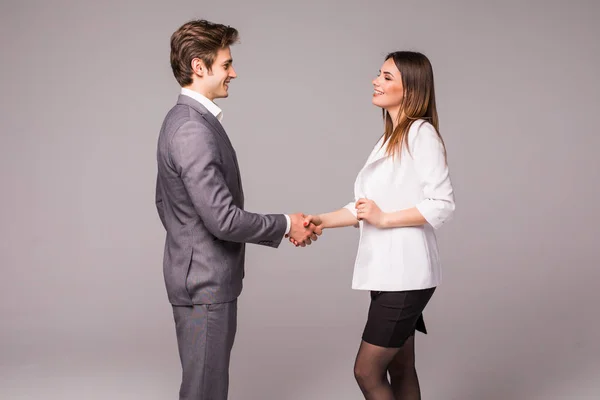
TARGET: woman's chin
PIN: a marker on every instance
(375, 101)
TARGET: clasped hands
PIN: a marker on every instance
(306, 229)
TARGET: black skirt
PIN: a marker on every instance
(395, 316)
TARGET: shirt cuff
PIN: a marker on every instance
(435, 212)
(352, 208)
(289, 224)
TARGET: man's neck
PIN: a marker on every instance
(205, 101)
(198, 89)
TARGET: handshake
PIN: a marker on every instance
(304, 229)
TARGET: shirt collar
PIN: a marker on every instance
(210, 106)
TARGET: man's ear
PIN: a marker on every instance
(198, 67)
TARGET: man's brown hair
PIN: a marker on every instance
(198, 39)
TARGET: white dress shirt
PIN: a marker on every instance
(404, 258)
(218, 113)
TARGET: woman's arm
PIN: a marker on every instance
(335, 219)
(430, 166)
(407, 217)
(369, 211)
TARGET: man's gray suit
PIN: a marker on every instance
(200, 202)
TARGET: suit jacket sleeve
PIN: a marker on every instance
(195, 155)
(159, 203)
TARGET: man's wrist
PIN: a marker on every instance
(289, 224)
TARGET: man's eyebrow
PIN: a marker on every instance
(228, 61)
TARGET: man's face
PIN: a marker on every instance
(215, 83)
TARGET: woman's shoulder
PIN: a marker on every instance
(421, 125)
(421, 128)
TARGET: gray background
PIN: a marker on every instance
(84, 89)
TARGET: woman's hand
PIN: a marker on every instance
(314, 219)
(367, 210)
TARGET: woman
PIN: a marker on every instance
(403, 193)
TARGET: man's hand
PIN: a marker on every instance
(310, 222)
(303, 232)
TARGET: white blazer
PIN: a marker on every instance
(393, 259)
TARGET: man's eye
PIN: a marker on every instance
(387, 79)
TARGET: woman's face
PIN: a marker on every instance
(388, 91)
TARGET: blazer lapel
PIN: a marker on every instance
(214, 122)
(211, 119)
(378, 153)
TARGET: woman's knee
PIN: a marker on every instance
(365, 375)
(361, 372)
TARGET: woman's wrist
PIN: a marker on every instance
(385, 220)
(321, 220)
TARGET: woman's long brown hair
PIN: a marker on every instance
(418, 102)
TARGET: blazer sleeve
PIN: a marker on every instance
(160, 207)
(195, 155)
(430, 165)
(351, 207)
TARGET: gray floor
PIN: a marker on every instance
(453, 362)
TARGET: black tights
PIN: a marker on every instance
(373, 363)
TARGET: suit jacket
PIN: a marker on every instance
(200, 202)
(404, 258)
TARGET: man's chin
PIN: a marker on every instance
(222, 95)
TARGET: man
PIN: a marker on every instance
(200, 202)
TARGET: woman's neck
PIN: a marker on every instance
(394, 116)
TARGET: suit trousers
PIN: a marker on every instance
(205, 336)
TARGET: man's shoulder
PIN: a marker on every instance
(182, 115)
